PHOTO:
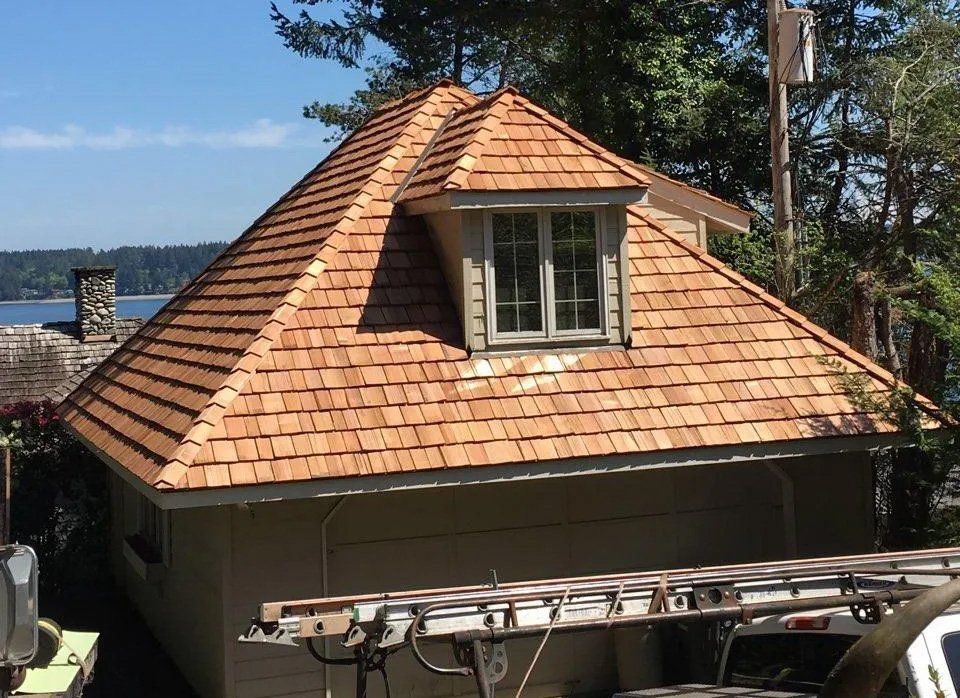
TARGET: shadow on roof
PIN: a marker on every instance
(409, 293)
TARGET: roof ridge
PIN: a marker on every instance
(780, 307)
(623, 165)
(423, 154)
(442, 82)
(211, 414)
(408, 97)
(498, 103)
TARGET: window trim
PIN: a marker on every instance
(550, 334)
(154, 527)
(490, 287)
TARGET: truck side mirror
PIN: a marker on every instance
(18, 605)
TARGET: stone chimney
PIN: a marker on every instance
(95, 292)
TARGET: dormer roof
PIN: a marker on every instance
(507, 143)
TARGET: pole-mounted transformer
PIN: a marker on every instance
(795, 58)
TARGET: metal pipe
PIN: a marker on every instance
(479, 670)
(325, 581)
(789, 504)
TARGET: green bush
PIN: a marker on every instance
(60, 500)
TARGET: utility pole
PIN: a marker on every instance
(783, 233)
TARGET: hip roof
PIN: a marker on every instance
(324, 343)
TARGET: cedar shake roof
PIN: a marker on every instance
(324, 343)
(47, 361)
(507, 143)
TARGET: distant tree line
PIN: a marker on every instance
(141, 269)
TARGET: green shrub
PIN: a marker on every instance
(60, 500)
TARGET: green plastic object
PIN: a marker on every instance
(67, 672)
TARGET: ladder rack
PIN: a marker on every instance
(469, 617)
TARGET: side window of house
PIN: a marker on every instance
(153, 531)
(545, 278)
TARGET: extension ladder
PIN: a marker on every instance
(478, 620)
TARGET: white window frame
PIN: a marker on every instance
(550, 333)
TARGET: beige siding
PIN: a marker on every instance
(681, 220)
(567, 526)
(834, 503)
(447, 238)
(276, 556)
(612, 238)
(473, 243)
(184, 609)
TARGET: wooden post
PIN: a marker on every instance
(783, 233)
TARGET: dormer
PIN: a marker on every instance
(529, 220)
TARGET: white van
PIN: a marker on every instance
(796, 652)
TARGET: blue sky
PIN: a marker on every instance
(134, 121)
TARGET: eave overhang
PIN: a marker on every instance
(720, 216)
(513, 472)
(471, 200)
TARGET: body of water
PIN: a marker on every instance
(31, 312)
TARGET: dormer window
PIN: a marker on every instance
(545, 274)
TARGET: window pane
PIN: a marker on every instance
(516, 269)
(564, 287)
(525, 228)
(584, 225)
(951, 652)
(566, 316)
(528, 272)
(575, 274)
(588, 314)
(502, 229)
(506, 318)
(799, 662)
(560, 225)
(505, 273)
(586, 285)
(585, 254)
(531, 317)
(562, 253)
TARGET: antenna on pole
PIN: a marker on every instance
(790, 54)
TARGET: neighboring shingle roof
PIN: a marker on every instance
(507, 143)
(324, 343)
(46, 362)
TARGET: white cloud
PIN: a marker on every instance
(262, 133)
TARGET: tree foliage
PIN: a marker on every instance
(59, 497)
(659, 81)
(880, 163)
(141, 269)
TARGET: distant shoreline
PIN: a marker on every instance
(154, 297)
